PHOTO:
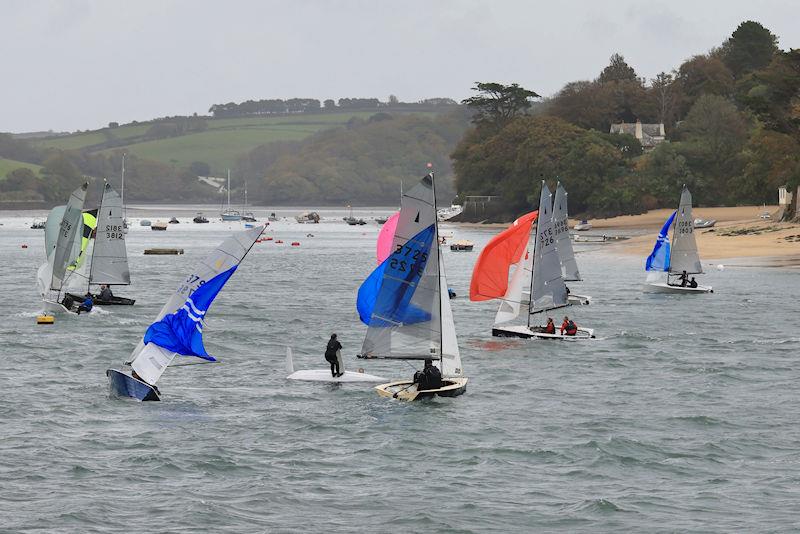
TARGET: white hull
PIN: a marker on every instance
(573, 299)
(324, 375)
(533, 332)
(54, 307)
(663, 287)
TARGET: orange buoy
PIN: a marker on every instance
(295, 243)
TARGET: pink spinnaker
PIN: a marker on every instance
(386, 236)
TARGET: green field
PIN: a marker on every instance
(8, 165)
(219, 146)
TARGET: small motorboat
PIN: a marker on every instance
(308, 217)
(37, 225)
(582, 226)
(145, 222)
(352, 221)
(158, 226)
(381, 220)
(272, 217)
(174, 220)
(462, 245)
(200, 219)
(249, 217)
(704, 223)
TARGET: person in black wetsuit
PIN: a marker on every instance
(429, 377)
(693, 283)
(330, 354)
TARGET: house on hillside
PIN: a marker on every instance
(649, 135)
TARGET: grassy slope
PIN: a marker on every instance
(8, 165)
(220, 145)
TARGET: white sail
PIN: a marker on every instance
(511, 304)
(149, 361)
(51, 227)
(563, 243)
(683, 255)
(405, 321)
(547, 286)
(70, 224)
(109, 263)
(450, 355)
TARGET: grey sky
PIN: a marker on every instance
(78, 64)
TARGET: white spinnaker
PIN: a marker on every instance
(683, 254)
(547, 286)
(416, 339)
(69, 226)
(149, 361)
(511, 304)
(109, 258)
(563, 242)
(450, 365)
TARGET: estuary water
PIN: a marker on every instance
(684, 414)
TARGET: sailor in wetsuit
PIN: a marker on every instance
(86, 305)
(429, 377)
(330, 354)
(105, 293)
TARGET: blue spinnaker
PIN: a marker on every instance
(658, 260)
(182, 331)
(384, 299)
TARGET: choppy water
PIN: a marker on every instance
(683, 416)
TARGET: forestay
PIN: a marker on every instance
(178, 327)
(563, 242)
(109, 258)
(547, 286)
(684, 255)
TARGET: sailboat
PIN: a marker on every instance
(178, 329)
(541, 269)
(61, 249)
(108, 263)
(324, 375)
(681, 259)
(569, 267)
(405, 305)
(230, 214)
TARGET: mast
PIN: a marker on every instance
(438, 265)
(122, 192)
(229, 190)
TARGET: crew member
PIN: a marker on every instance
(693, 283)
(331, 355)
(568, 327)
(550, 327)
(429, 377)
(87, 304)
(105, 293)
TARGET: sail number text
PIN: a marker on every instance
(408, 259)
(560, 227)
(546, 237)
(685, 227)
(113, 231)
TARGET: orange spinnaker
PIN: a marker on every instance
(490, 276)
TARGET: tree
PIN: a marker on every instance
(617, 70)
(496, 103)
(329, 105)
(703, 75)
(393, 101)
(750, 47)
(665, 91)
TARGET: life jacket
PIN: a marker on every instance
(572, 328)
(550, 328)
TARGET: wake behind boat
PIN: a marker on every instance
(541, 270)
(178, 329)
(324, 375)
(405, 304)
(681, 259)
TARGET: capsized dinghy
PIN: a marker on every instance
(324, 375)
(681, 259)
(178, 329)
(566, 255)
(405, 305)
(540, 269)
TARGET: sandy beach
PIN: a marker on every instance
(740, 236)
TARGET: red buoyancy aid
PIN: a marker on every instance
(572, 329)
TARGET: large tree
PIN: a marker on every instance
(750, 47)
(496, 103)
(617, 70)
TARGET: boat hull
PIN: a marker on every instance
(231, 218)
(122, 384)
(115, 301)
(406, 389)
(522, 331)
(663, 287)
(581, 300)
(51, 306)
(324, 375)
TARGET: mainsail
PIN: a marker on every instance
(684, 255)
(402, 300)
(109, 258)
(68, 228)
(563, 242)
(179, 326)
(547, 286)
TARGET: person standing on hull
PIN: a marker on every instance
(331, 355)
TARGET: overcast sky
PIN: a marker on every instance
(78, 64)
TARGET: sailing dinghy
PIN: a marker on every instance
(405, 304)
(109, 259)
(681, 259)
(324, 375)
(541, 269)
(60, 249)
(566, 255)
(178, 329)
